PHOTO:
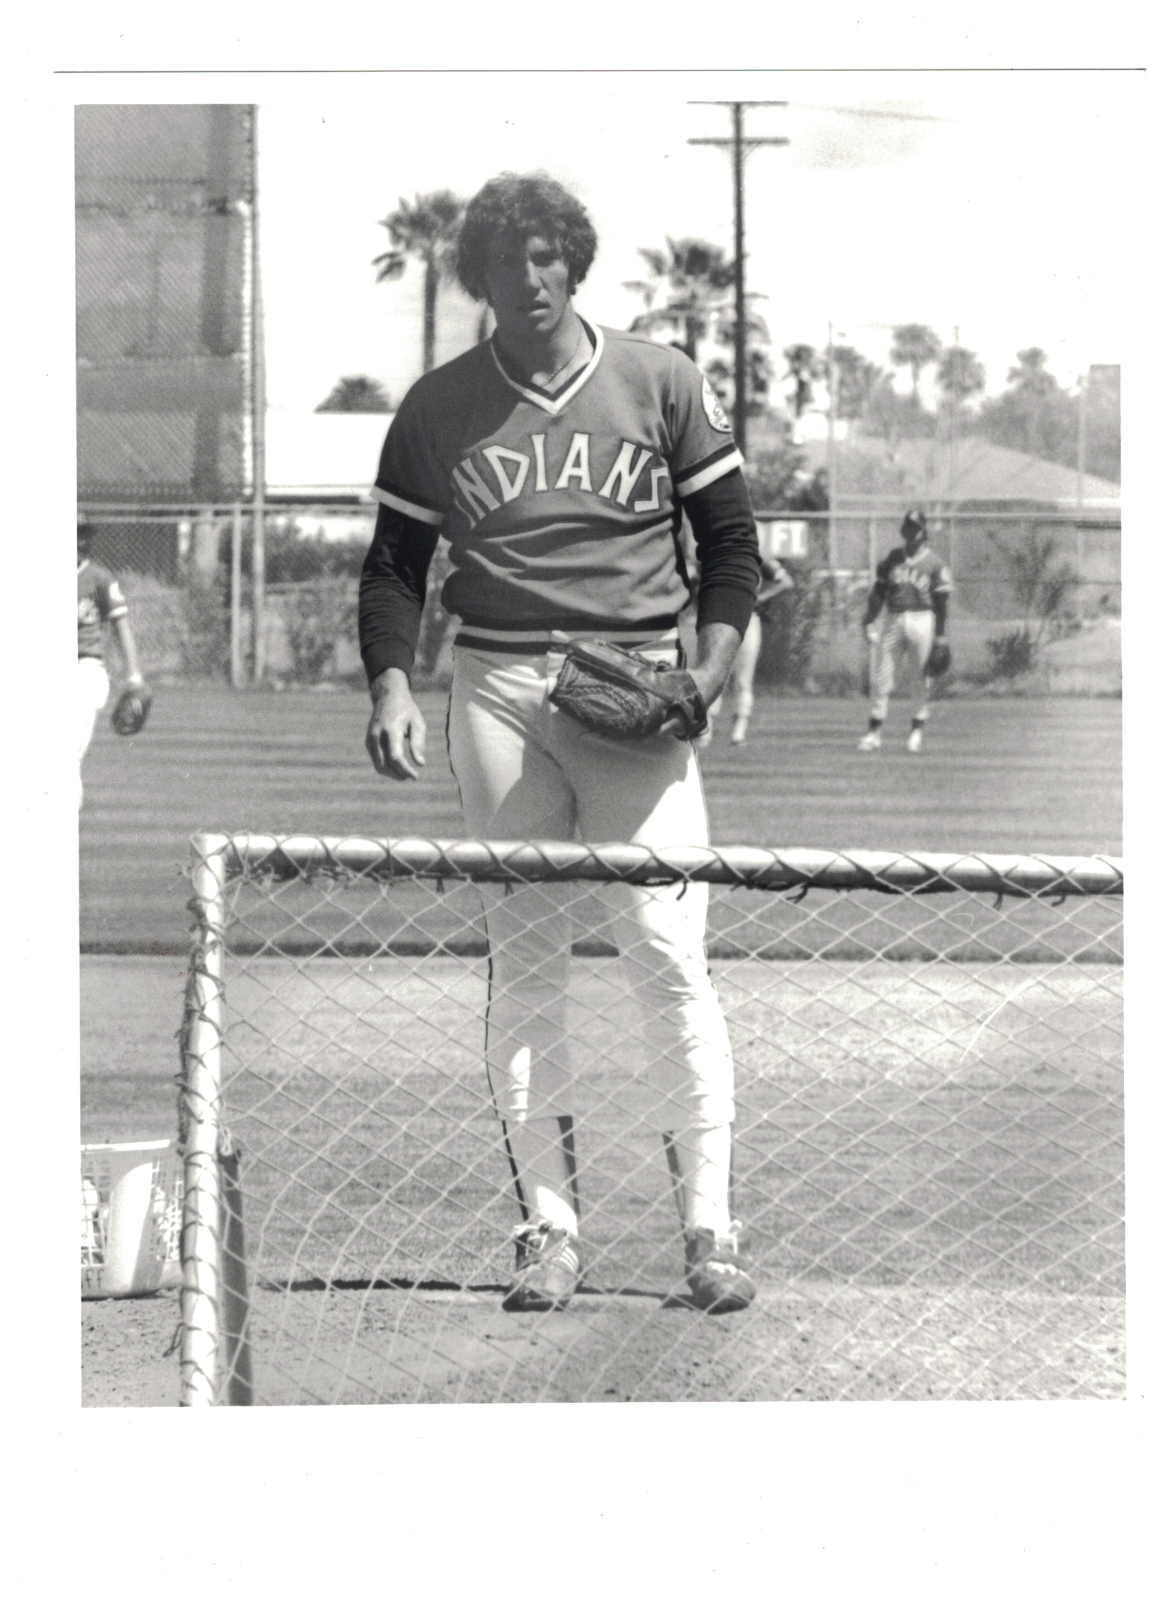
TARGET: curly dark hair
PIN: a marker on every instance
(524, 204)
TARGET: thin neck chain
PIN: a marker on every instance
(581, 333)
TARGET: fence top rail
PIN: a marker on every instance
(262, 857)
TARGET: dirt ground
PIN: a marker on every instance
(807, 1342)
(1006, 777)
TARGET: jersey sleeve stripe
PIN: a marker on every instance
(718, 466)
(409, 507)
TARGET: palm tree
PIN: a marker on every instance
(758, 376)
(914, 346)
(805, 365)
(427, 229)
(959, 375)
(857, 380)
(359, 394)
(699, 278)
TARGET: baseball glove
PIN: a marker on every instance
(940, 659)
(132, 708)
(621, 695)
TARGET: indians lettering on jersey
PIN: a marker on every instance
(99, 600)
(559, 506)
(908, 583)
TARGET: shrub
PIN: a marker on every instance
(317, 615)
(789, 631)
(206, 637)
(1011, 653)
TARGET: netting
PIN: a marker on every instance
(927, 1147)
(164, 242)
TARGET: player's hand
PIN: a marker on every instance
(870, 632)
(716, 645)
(396, 733)
(709, 687)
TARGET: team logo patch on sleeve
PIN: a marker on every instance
(716, 416)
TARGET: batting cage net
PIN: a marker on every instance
(928, 1136)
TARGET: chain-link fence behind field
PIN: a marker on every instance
(175, 568)
(928, 1138)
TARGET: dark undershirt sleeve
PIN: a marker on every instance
(728, 551)
(940, 613)
(391, 591)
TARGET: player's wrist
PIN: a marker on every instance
(391, 681)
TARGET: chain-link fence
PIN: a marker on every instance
(175, 569)
(165, 279)
(928, 1140)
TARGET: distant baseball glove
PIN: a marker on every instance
(940, 659)
(621, 695)
(132, 708)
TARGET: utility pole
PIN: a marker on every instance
(1080, 476)
(739, 147)
(832, 463)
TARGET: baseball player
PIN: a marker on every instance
(556, 459)
(774, 579)
(912, 587)
(99, 602)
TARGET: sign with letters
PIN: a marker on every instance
(782, 541)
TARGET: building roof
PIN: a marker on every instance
(971, 471)
(331, 455)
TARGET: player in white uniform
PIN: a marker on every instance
(556, 458)
(774, 580)
(100, 603)
(912, 587)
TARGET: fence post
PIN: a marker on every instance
(236, 595)
(203, 1027)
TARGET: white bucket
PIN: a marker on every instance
(131, 1219)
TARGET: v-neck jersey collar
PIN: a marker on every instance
(554, 404)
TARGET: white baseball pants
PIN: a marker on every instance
(528, 771)
(92, 693)
(904, 633)
(741, 683)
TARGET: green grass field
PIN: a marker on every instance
(1002, 776)
(929, 1152)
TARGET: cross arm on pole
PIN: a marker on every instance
(744, 144)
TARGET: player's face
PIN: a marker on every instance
(528, 285)
(914, 539)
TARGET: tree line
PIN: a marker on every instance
(687, 295)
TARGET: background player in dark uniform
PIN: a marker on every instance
(100, 605)
(557, 458)
(912, 587)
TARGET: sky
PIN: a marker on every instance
(1003, 208)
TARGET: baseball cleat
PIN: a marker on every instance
(715, 1272)
(871, 741)
(739, 730)
(548, 1269)
(913, 743)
